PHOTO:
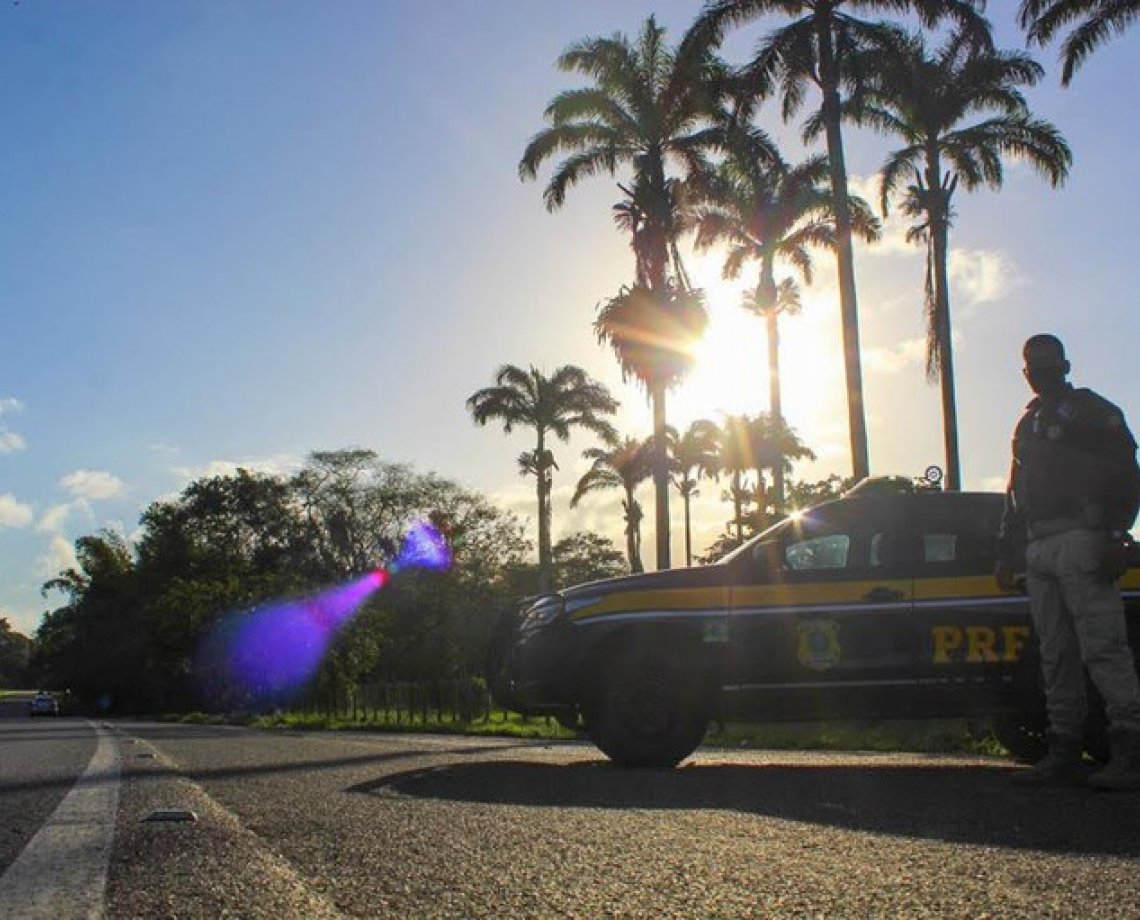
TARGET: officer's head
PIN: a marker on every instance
(1045, 364)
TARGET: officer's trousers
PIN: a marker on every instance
(1079, 618)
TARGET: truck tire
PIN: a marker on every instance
(650, 709)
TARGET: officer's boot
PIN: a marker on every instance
(1123, 770)
(1060, 767)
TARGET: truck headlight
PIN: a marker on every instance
(542, 613)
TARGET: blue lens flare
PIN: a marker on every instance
(267, 655)
(424, 547)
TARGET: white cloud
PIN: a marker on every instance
(59, 557)
(23, 619)
(92, 484)
(891, 360)
(984, 275)
(992, 484)
(14, 513)
(10, 442)
(279, 465)
(52, 520)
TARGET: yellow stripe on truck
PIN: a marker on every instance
(963, 586)
(839, 592)
(719, 598)
(656, 599)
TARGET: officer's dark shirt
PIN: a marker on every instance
(1074, 459)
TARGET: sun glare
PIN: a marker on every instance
(731, 371)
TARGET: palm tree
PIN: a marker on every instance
(646, 108)
(767, 211)
(624, 465)
(555, 405)
(959, 112)
(816, 49)
(1042, 19)
(753, 444)
(694, 455)
(652, 332)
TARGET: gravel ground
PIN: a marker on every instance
(389, 826)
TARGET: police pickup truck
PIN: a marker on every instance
(875, 605)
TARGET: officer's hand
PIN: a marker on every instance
(1005, 575)
(1114, 556)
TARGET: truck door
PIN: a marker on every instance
(820, 621)
(969, 633)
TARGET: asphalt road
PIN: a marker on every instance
(40, 760)
(318, 825)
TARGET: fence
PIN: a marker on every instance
(404, 703)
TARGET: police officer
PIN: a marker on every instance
(1074, 491)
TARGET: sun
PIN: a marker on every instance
(730, 373)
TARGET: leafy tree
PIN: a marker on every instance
(958, 111)
(767, 211)
(437, 624)
(1098, 21)
(555, 405)
(356, 506)
(814, 50)
(15, 649)
(586, 556)
(694, 455)
(95, 644)
(647, 108)
(230, 547)
(624, 465)
(804, 494)
(224, 544)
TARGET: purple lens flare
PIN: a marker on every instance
(424, 547)
(268, 654)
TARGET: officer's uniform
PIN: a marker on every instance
(1074, 486)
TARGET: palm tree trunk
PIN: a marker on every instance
(848, 304)
(737, 510)
(542, 474)
(633, 533)
(774, 402)
(761, 502)
(688, 531)
(660, 477)
(940, 239)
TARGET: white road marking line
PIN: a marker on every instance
(62, 872)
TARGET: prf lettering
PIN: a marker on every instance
(978, 644)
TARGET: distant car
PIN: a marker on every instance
(43, 704)
(875, 605)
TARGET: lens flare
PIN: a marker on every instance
(267, 655)
(424, 547)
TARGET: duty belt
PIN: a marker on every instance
(1039, 530)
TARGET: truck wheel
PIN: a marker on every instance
(651, 709)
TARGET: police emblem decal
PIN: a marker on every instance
(818, 647)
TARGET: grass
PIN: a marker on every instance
(505, 724)
(935, 736)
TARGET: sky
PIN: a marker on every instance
(235, 233)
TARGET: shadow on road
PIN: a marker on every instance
(966, 804)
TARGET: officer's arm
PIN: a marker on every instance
(1125, 494)
(1011, 533)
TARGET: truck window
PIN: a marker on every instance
(827, 552)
